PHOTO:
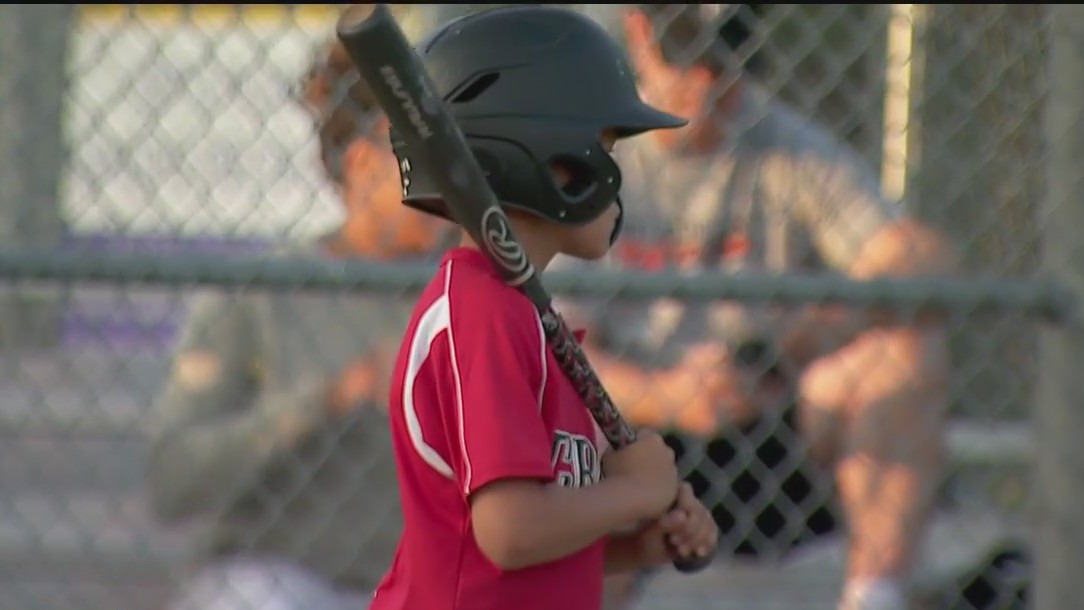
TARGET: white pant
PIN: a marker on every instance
(259, 584)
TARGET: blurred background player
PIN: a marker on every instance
(272, 429)
(792, 423)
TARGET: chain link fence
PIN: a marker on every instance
(182, 361)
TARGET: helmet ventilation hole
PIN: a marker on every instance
(476, 87)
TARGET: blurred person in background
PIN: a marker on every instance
(791, 423)
(272, 429)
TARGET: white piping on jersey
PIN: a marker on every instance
(459, 413)
(545, 363)
(436, 319)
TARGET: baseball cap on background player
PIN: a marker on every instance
(719, 37)
(533, 86)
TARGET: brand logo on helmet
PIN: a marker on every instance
(409, 106)
(503, 247)
(404, 175)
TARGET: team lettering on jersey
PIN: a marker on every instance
(575, 460)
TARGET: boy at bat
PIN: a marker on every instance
(509, 498)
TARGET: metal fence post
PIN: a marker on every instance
(33, 79)
(1060, 412)
(977, 177)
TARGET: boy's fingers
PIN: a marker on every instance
(690, 534)
(701, 534)
(681, 544)
(687, 538)
(686, 497)
(673, 520)
(688, 546)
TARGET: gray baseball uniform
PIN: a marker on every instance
(781, 194)
(252, 372)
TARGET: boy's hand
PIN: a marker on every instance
(648, 465)
(688, 529)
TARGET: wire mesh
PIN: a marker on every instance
(208, 271)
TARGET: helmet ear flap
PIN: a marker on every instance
(619, 223)
(593, 179)
(580, 180)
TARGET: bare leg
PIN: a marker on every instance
(877, 406)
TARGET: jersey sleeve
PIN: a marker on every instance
(499, 362)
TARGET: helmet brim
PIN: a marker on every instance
(641, 117)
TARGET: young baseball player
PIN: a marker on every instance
(509, 500)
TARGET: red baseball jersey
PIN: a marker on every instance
(478, 397)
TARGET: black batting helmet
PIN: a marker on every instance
(532, 86)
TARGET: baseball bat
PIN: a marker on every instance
(398, 79)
